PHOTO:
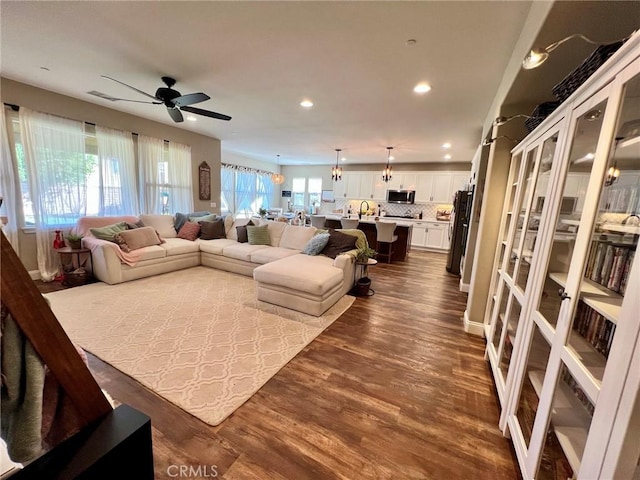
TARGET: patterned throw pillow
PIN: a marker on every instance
(242, 232)
(189, 231)
(316, 244)
(258, 235)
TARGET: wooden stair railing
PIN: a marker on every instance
(112, 443)
(20, 295)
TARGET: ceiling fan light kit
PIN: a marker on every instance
(172, 99)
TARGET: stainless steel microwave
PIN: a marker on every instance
(401, 196)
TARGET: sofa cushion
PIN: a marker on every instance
(316, 244)
(338, 243)
(135, 239)
(232, 232)
(242, 251)
(313, 275)
(271, 254)
(212, 230)
(108, 232)
(189, 231)
(162, 223)
(258, 235)
(241, 232)
(215, 246)
(179, 246)
(296, 237)
(152, 252)
(181, 218)
(275, 231)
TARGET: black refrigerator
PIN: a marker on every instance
(458, 228)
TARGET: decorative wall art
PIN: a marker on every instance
(204, 181)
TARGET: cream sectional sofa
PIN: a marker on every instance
(284, 275)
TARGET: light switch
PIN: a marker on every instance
(213, 204)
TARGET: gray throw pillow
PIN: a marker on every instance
(212, 230)
(242, 232)
(181, 218)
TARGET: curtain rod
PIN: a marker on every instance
(16, 108)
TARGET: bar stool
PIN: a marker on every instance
(385, 236)
(349, 222)
(318, 221)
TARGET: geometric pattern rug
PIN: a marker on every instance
(197, 337)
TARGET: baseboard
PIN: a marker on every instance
(464, 287)
(474, 328)
(34, 274)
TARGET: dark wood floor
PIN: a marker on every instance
(393, 389)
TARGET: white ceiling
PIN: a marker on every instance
(258, 60)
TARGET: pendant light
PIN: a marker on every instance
(387, 172)
(336, 172)
(277, 178)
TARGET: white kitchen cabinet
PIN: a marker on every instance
(379, 190)
(340, 188)
(432, 235)
(441, 192)
(424, 187)
(365, 187)
(562, 324)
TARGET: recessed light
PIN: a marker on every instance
(344, 159)
(191, 118)
(411, 42)
(447, 157)
(422, 88)
(446, 146)
(306, 103)
(391, 157)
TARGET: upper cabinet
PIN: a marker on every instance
(562, 323)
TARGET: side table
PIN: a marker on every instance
(363, 288)
(77, 261)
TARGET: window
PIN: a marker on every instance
(315, 191)
(306, 192)
(298, 189)
(244, 190)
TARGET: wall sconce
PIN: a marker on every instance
(499, 121)
(537, 56)
(489, 141)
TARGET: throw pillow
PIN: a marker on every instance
(133, 226)
(181, 218)
(108, 232)
(258, 235)
(162, 223)
(316, 244)
(189, 231)
(141, 237)
(338, 243)
(212, 230)
(242, 232)
(203, 218)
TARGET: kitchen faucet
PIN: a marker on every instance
(360, 212)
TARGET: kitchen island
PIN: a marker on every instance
(368, 226)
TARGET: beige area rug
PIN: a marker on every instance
(197, 337)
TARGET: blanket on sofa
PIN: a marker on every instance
(84, 226)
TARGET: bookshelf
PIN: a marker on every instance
(562, 327)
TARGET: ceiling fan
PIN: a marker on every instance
(172, 99)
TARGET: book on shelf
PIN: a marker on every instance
(594, 328)
(609, 263)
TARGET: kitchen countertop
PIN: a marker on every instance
(400, 221)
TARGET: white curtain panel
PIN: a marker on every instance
(117, 161)
(150, 153)
(245, 192)
(265, 190)
(54, 150)
(228, 190)
(180, 178)
(8, 187)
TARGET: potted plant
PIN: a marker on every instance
(263, 212)
(363, 254)
(363, 284)
(74, 241)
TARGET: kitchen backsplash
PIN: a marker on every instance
(428, 209)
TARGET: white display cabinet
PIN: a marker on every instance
(562, 321)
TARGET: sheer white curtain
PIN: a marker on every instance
(245, 191)
(227, 189)
(264, 190)
(57, 168)
(8, 187)
(117, 187)
(151, 153)
(180, 178)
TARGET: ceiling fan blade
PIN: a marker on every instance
(206, 113)
(175, 114)
(105, 96)
(132, 88)
(190, 99)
